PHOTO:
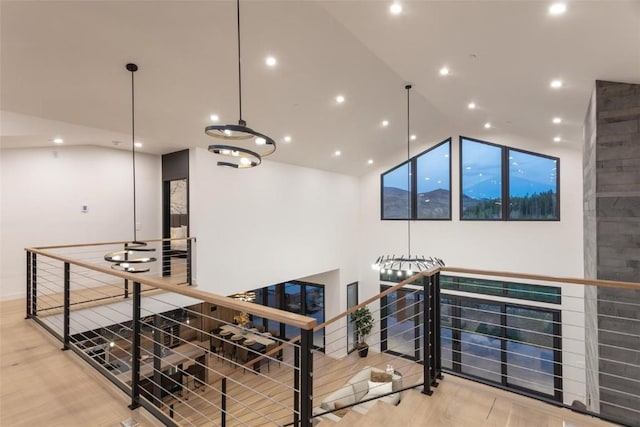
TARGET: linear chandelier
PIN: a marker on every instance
(408, 264)
(243, 146)
(128, 259)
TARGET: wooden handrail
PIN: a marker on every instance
(575, 281)
(297, 320)
(81, 245)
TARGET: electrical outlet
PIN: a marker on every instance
(138, 226)
(84, 208)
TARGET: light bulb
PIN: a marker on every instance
(260, 141)
(244, 161)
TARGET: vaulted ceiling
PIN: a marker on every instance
(63, 75)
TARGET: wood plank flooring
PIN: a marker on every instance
(40, 385)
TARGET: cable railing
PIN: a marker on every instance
(185, 355)
(349, 381)
(570, 342)
(193, 358)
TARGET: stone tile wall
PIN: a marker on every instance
(617, 243)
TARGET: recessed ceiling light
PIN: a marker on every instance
(413, 137)
(385, 123)
(138, 144)
(557, 120)
(271, 61)
(556, 84)
(487, 125)
(337, 153)
(557, 139)
(471, 105)
(444, 71)
(58, 141)
(370, 161)
(214, 117)
(339, 99)
(395, 8)
(557, 9)
(287, 138)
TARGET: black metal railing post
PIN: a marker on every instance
(426, 336)
(189, 247)
(126, 282)
(157, 360)
(437, 321)
(296, 385)
(34, 285)
(67, 311)
(28, 316)
(223, 412)
(306, 377)
(433, 330)
(135, 350)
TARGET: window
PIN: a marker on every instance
(480, 180)
(533, 186)
(550, 294)
(295, 297)
(352, 301)
(419, 188)
(396, 193)
(504, 183)
(433, 176)
(511, 345)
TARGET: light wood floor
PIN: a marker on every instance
(41, 385)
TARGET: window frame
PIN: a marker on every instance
(504, 174)
(413, 167)
(508, 182)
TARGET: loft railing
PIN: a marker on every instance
(567, 341)
(343, 377)
(166, 345)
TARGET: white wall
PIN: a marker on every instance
(270, 224)
(42, 190)
(550, 248)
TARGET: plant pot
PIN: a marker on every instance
(363, 350)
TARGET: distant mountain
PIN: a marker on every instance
(522, 187)
(432, 204)
(395, 203)
(490, 189)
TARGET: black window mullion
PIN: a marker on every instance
(505, 184)
(413, 174)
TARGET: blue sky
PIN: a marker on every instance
(433, 172)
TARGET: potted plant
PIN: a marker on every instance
(363, 324)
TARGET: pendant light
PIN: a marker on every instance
(243, 146)
(128, 260)
(410, 264)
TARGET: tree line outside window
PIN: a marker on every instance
(496, 182)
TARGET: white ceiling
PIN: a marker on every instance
(62, 72)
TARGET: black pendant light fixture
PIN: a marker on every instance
(410, 264)
(128, 259)
(243, 146)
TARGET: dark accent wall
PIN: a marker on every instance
(612, 241)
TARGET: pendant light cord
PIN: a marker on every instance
(239, 66)
(408, 88)
(133, 154)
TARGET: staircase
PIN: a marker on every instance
(407, 413)
(460, 403)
